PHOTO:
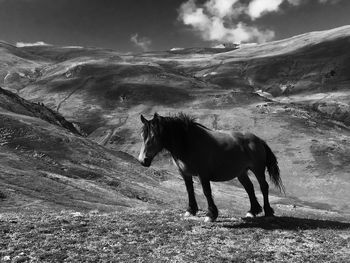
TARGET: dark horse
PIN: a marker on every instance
(212, 156)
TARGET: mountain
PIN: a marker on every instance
(70, 186)
(293, 93)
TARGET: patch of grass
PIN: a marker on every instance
(165, 236)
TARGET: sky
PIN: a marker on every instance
(141, 25)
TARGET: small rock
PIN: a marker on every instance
(6, 258)
(20, 258)
(77, 214)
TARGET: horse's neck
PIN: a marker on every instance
(182, 141)
(175, 138)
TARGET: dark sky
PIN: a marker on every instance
(111, 23)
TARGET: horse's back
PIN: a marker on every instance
(230, 157)
(226, 155)
(251, 145)
(248, 136)
(235, 140)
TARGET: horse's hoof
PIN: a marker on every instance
(249, 215)
(207, 219)
(269, 216)
(187, 214)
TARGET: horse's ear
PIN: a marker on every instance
(156, 115)
(143, 119)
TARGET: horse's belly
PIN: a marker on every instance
(228, 169)
(222, 178)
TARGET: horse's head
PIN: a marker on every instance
(152, 139)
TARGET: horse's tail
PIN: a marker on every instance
(273, 169)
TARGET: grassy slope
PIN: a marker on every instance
(16, 104)
(144, 236)
(44, 166)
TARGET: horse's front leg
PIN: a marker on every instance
(192, 203)
(213, 212)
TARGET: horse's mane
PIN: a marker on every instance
(175, 129)
(183, 120)
(179, 122)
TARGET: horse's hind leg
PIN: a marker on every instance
(255, 207)
(260, 175)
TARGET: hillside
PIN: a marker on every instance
(16, 104)
(294, 93)
(47, 165)
(72, 190)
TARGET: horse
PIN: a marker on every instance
(212, 156)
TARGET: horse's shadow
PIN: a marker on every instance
(286, 223)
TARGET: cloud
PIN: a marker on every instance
(258, 8)
(213, 20)
(24, 44)
(233, 20)
(222, 8)
(142, 42)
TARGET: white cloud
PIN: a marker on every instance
(233, 20)
(176, 48)
(24, 44)
(257, 8)
(213, 21)
(222, 8)
(142, 42)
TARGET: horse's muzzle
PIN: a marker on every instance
(146, 162)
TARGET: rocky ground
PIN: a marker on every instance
(165, 236)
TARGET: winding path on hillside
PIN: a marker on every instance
(73, 91)
(111, 132)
